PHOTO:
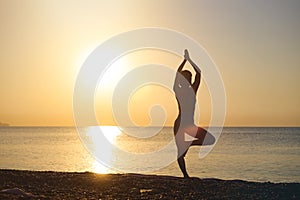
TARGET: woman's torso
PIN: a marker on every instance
(186, 100)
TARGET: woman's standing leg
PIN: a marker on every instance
(181, 163)
(180, 153)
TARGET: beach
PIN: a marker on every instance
(19, 184)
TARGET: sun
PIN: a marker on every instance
(113, 74)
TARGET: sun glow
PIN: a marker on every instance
(113, 74)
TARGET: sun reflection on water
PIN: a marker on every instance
(97, 147)
(99, 168)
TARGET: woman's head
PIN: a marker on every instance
(187, 75)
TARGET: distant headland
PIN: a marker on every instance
(4, 124)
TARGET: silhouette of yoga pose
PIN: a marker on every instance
(184, 126)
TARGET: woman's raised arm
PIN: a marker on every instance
(197, 81)
(176, 82)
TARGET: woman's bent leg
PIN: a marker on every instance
(204, 138)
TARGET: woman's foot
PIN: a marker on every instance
(186, 176)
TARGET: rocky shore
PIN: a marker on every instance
(18, 184)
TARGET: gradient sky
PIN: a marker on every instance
(255, 44)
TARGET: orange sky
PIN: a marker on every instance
(255, 44)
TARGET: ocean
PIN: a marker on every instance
(246, 153)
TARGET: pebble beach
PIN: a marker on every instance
(18, 184)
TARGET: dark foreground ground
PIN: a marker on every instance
(15, 184)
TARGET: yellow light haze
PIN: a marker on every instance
(254, 44)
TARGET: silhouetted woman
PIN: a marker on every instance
(185, 92)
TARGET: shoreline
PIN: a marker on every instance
(16, 184)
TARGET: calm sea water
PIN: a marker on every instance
(255, 154)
